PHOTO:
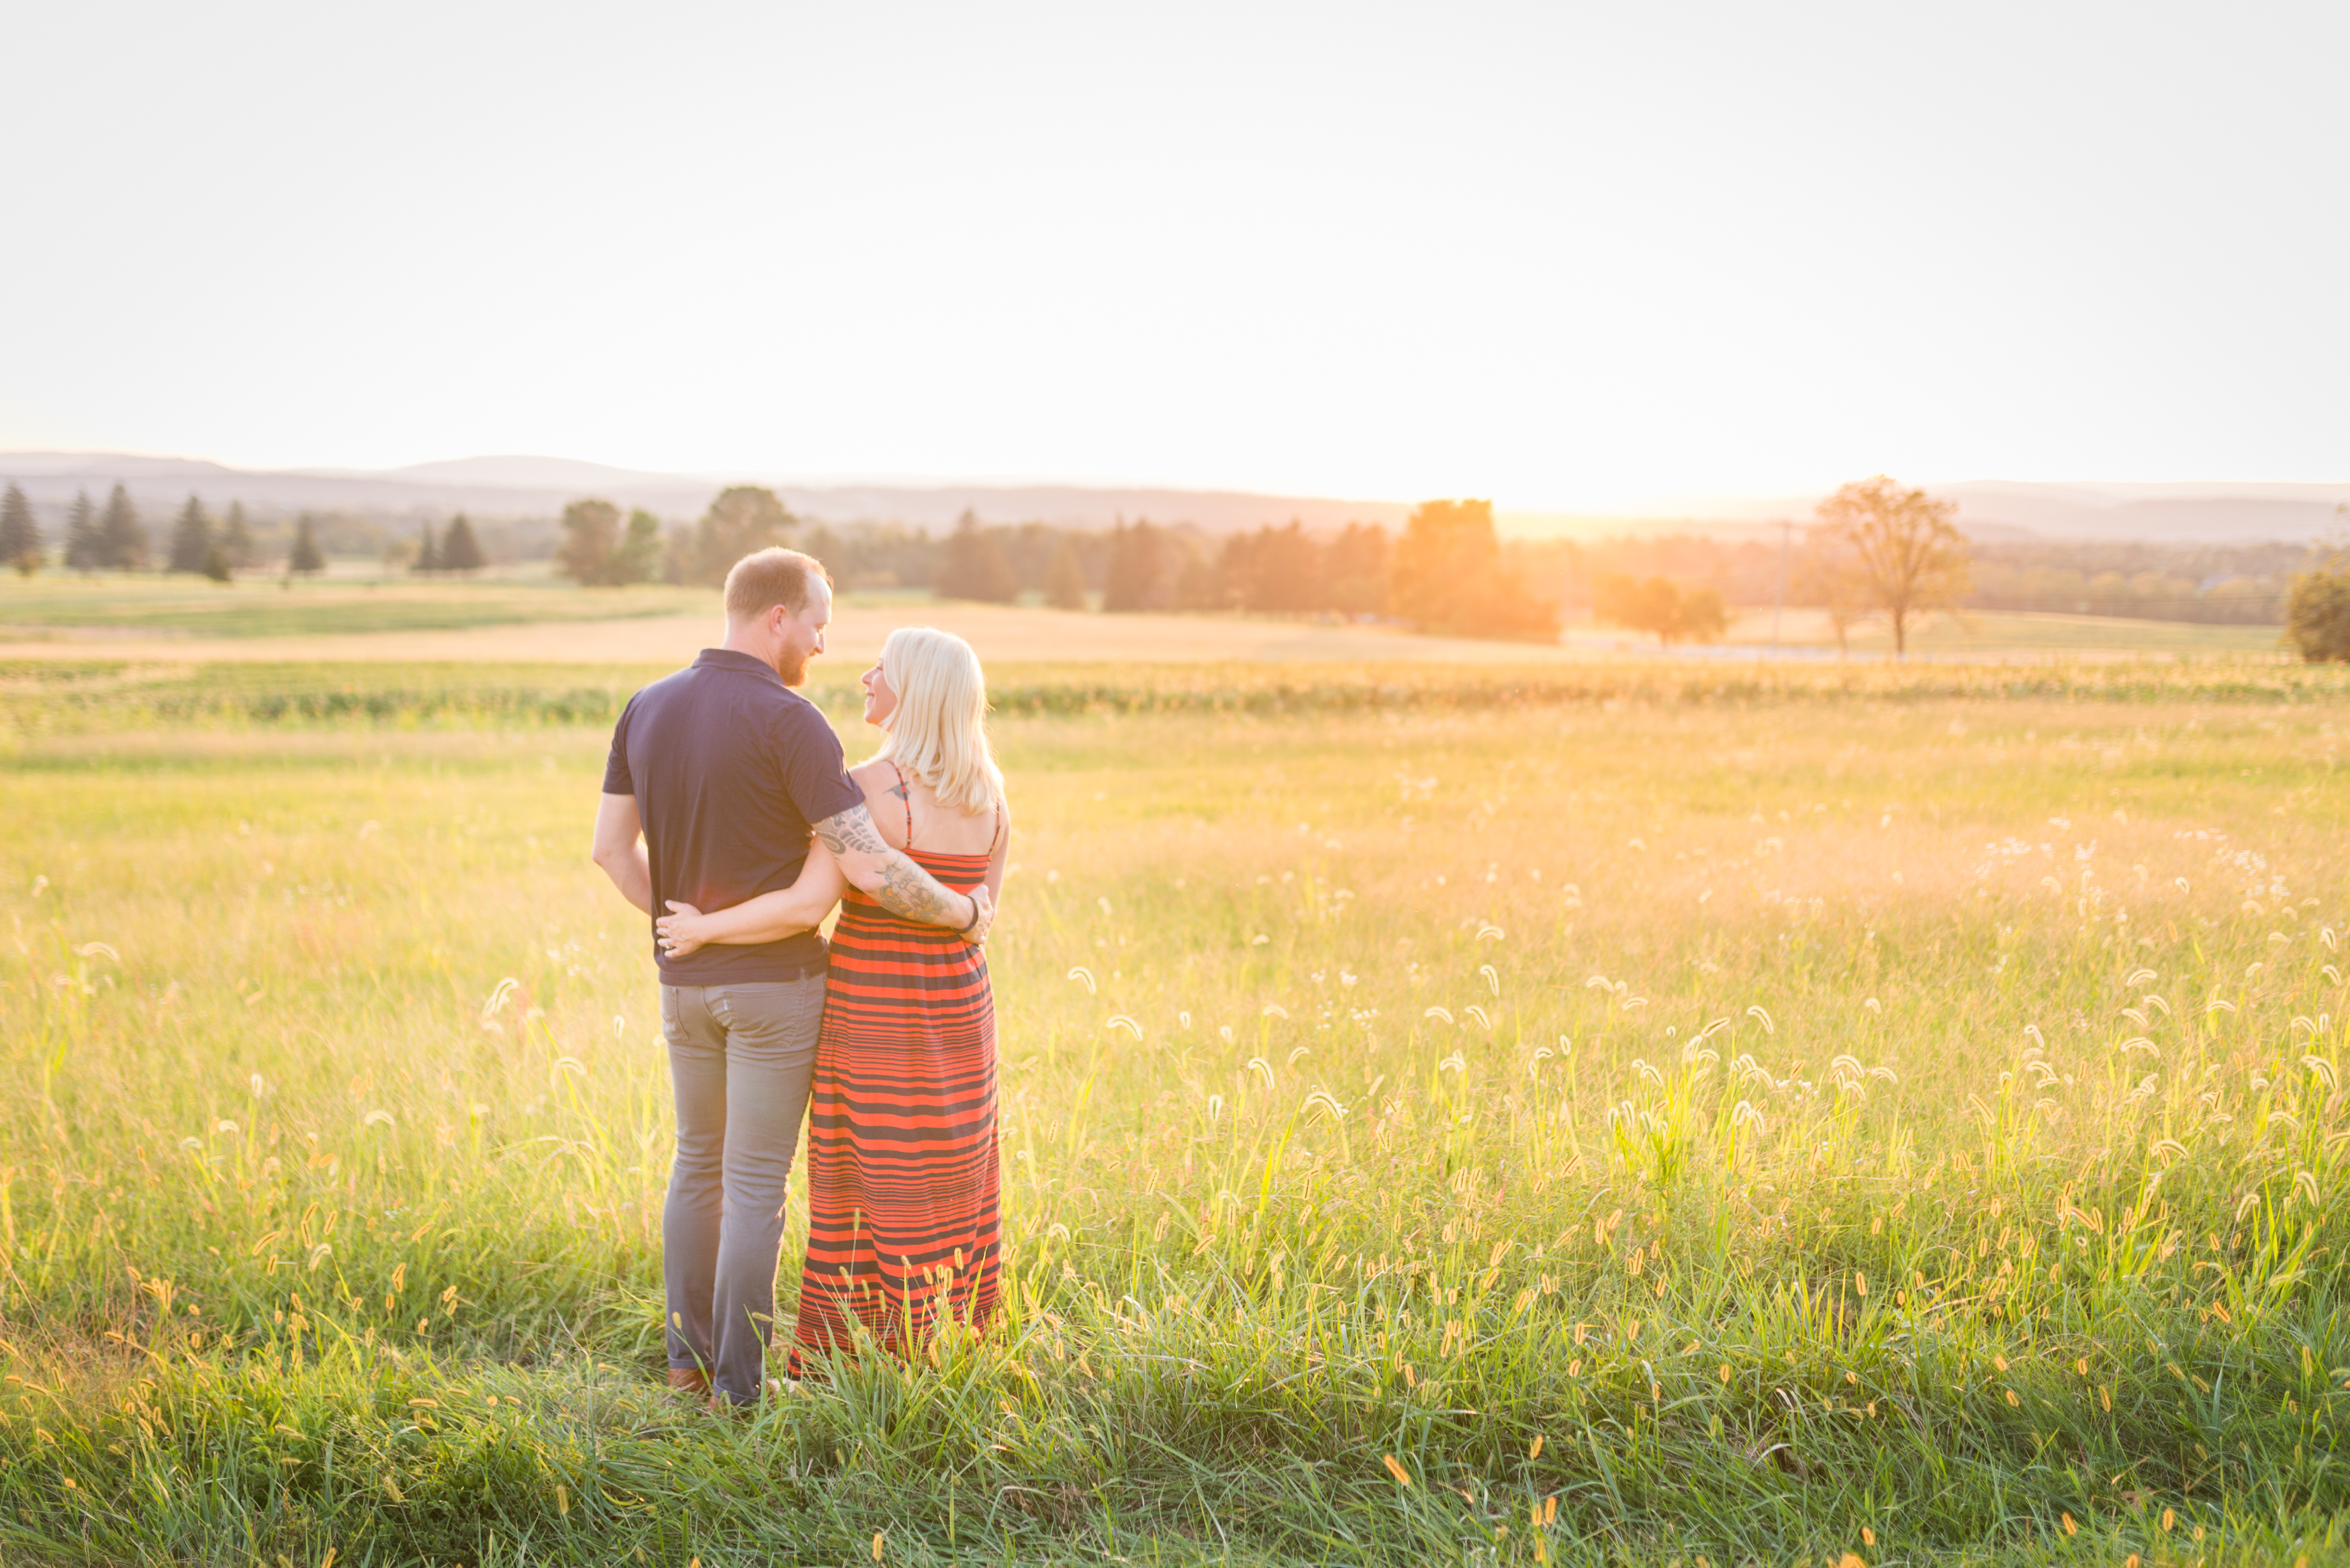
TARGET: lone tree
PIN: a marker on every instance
(1064, 579)
(191, 538)
(428, 553)
(121, 537)
(306, 561)
(20, 534)
(1447, 577)
(459, 551)
(1659, 606)
(84, 547)
(971, 566)
(1906, 552)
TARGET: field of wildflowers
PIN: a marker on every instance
(1657, 1115)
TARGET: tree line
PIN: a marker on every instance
(115, 538)
(2219, 583)
(1446, 572)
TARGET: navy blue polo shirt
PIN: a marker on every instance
(729, 766)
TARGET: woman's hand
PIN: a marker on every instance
(681, 930)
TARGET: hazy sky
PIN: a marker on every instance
(1574, 257)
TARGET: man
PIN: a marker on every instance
(717, 776)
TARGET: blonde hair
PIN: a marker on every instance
(938, 732)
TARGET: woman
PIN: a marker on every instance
(902, 1171)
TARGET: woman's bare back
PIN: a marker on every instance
(910, 817)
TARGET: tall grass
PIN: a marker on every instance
(43, 698)
(1878, 1121)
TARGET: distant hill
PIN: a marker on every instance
(2165, 513)
(526, 487)
(2212, 513)
(518, 486)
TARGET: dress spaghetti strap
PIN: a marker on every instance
(906, 796)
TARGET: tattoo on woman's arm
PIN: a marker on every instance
(906, 888)
(851, 831)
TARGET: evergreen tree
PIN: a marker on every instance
(306, 561)
(20, 534)
(428, 553)
(1064, 579)
(191, 538)
(121, 537)
(216, 563)
(971, 566)
(236, 539)
(85, 547)
(459, 551)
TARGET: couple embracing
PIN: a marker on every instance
(729, 817)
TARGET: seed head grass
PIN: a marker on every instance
(1769, 1126)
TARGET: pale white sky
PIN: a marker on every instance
(1567, 255)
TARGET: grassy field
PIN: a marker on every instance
(1639, 1113)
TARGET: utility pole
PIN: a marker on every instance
(1786, 533)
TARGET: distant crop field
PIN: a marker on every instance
(1979, 634)
(252, 607)
(1576, 1113)
(512, 621)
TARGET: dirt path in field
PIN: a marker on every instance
(1000, 634)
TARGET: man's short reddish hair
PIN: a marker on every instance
(765, 578)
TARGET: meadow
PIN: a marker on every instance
(1612, 1114)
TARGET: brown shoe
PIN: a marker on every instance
(689, 1379)
(777, 1389)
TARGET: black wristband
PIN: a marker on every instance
(964, 929)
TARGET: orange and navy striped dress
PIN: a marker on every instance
(903, 1228)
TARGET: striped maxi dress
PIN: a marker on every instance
(903, 1226)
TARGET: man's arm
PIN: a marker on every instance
(769, 918)
(620, 850)
(895, 882)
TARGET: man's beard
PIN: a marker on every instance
(793, 667)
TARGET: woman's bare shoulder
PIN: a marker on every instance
(879, 781)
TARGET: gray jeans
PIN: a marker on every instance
(740, 1057)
